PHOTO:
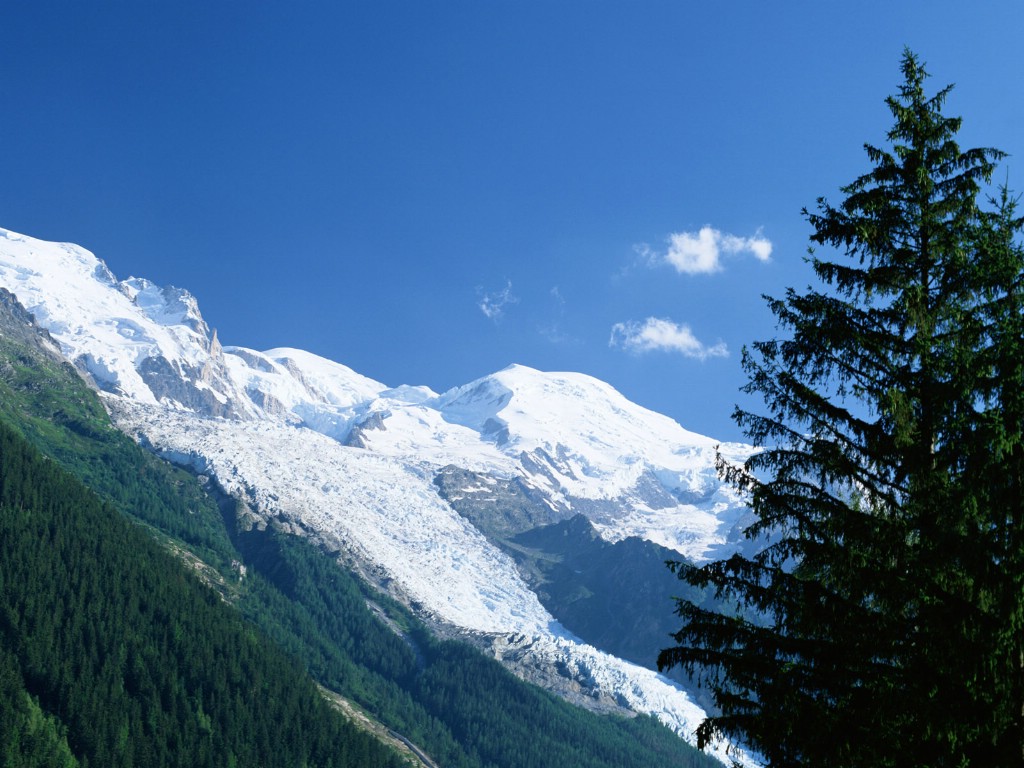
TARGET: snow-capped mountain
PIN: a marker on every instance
(316, 449)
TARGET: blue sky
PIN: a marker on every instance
(431, 191)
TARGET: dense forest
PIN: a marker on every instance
(133, 660)
(83, 672)
(445, 694)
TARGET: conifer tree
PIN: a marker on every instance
(883, 624)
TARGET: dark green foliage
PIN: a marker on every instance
(317, 611)
(28, 737)
(502, 722)
(136, 659)
(43, 398)
(892, 597)
(462, 708)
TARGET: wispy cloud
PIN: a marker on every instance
(553, 330)
(662, 335)
(701, 252)
(493, 303)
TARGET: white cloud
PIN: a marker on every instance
(701, 252)
(493, 304)
(658, 335)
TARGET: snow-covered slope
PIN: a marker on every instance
(375, 507)
(315, 448)
(134, 339)
(632, 471)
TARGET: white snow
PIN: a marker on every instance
(378, 507)
(606, 440)
(96, 320)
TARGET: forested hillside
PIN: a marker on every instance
(132, 660)
(459, 706)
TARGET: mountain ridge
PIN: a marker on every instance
(288, 589)
(279, 429)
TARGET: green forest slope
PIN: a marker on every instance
(111, 653)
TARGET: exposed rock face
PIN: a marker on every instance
(197, 380)
(498, 506)
(20, 326)
(255, 361)
(373, 421)
(537, 662)
(29, 344)
(192, 388)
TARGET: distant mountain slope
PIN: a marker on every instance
(312, 448)
(299, 597)
(615, 595)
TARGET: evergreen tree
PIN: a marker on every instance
(883, 624)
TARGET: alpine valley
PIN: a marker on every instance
(524, 517)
